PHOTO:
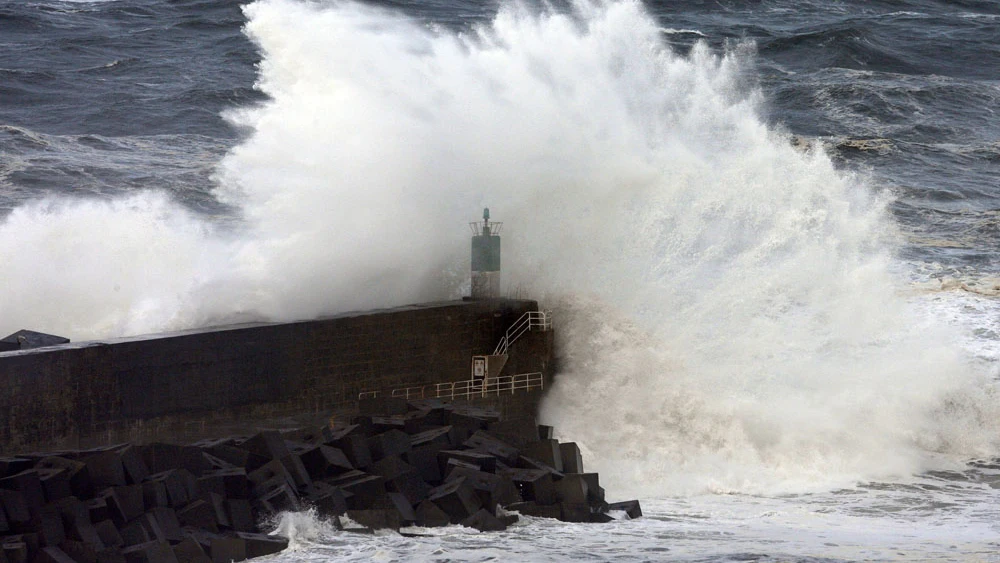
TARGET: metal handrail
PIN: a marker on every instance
(477, 227)
(532, 320)
(468, 388)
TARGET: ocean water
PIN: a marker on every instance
(768, 231)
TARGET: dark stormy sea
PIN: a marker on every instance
(768, 231)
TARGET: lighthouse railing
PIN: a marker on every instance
(477, 227)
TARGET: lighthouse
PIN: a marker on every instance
(485, 257)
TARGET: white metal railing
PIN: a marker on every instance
(477, 227)
(467, 389)
(532, 320)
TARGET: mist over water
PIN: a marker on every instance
(729, 308)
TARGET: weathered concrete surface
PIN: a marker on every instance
(192, 384)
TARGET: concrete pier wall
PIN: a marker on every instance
(182, 386)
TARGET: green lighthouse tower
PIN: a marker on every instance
(485, 257)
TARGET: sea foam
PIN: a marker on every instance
(727, 311)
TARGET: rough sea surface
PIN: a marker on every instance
(768, 229)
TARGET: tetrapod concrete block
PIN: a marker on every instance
(493, 490)
(326, 498)
(230, 483)
(269, 476)
(486, 443)
(134, 533)
(168, 522)
(631, 507)
(198, 514)
(224, 549)
(429, 515)
(76, 520)
(519, 432)
(176, 485)
(404, 507)
(218, 504)
(80, 551)
(574, 512)
(391, 466)
(109, 534)
(296, 470)
(409, 423)
(533, 484)
(124, 503)
(376, 518)
(545, 451)
(425, 459)
(150, 552)
(259, 545)
(53, 554)
(154, 493)
(393, 442)
(322, 461)
(76, 471)
(532, 508)
(14, 552)
(311, 435)
(366, 490)
(410, 485)
(29, 485)
(482, 461)
(484, 521)
(240, 515)
(525, 462)
(572, 488)
(572, 461)
(13, 465)
(457, 498)
(55, 483)
(280, 499)
(454, 464)
(50, 526)
(237, 457)
(16, 508)
(268, 444)
(440, 435)
(135, 468)
(353, 443)
(105, 469)
(98, 509)
(190, 551)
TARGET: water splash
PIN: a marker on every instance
(730, 319)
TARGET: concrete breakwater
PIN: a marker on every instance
(398, 463)
(182, 386)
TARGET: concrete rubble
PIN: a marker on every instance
(397, 464)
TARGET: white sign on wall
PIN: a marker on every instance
(479, 367)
